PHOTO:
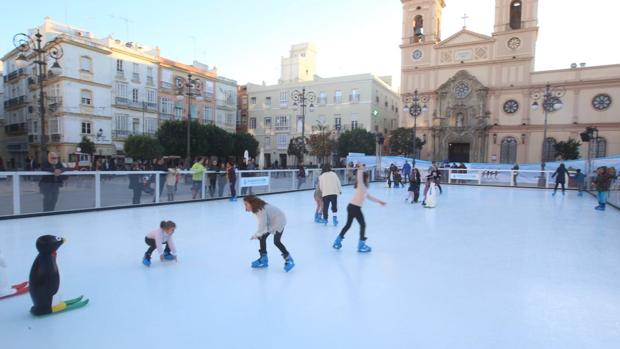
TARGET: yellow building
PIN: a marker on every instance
(480, 89)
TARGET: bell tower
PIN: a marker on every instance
(422, 21)
(515, 14)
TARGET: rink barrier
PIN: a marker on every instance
(101, 190)
(86, 191)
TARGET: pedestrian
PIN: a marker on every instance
(330, 187)
(232, 180)
(515, 173)
(212, 176)
(160, 165)
(354, 210)
(580, 181)
(406, 171)
(560, 178)
(221, 180)
(135, 184)
(50, 185)
(301, 175)
(156, 239)
(198, 169)
(171, 181)
(271, 220)
(602, 183)
(414, 186)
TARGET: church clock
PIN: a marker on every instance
(511, 106)
(601, 101)
(416, 55)
(514, 43)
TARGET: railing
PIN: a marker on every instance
(14, 102)
(165, 85)
(121, 101)
(20, 193)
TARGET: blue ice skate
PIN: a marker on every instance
(335, 220)
(317, 217)
(262, 262)
(169, 257)
(362, 247)
(289, 264)
(337, 243)
(146, 262)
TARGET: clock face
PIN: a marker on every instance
(461, 89)
(601, 101)
(416, 55)
(511, 106)
(514, 43)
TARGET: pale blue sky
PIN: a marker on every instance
(245, 39)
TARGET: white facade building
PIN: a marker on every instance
(342, 103)
(226, 104)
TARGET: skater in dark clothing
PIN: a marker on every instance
(50, 185)
(135, 184)
(232, 180)
(414, 186)
(271, 220)
(602, 182)
(354, 211)
(561, 173)
(159, 237)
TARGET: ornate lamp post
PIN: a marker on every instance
(303, 99)
(550, 99)
(322, 126)
(34, 48)
(193, 90)
(415, 105)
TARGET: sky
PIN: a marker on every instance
(245, 39)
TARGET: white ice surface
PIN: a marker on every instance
(487, 268)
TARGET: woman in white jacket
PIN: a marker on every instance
(330, 187)
(271, 220)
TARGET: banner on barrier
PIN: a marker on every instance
(254, 182)
(466, 176)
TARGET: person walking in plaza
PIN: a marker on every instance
(602, 183)
(171, 181)
(354, 211)
(198, 169)
(156, 239)
(212, 177)
(50, 185)
(414, 186)
(271, 220)
(232, 180)
(560, 178)
(330, 187)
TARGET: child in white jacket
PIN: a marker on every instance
(159, 237)
(330, 187)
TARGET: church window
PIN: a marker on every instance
(601, 101)
(515, 14)
(418, 28)
(511, 106)
(508, 152)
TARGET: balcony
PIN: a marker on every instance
(209, 96)
(121, 101)
(121, 133)
(16, 129)
(56, 138)
(280, 128)
(54, 104)
(135, 77)
(166, 116)
(14, 75)
(166, 85)
(152, 107)
(15, 103)
(34, 139)
(150, 81)
(120, 75)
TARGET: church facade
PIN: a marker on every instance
(485, 102)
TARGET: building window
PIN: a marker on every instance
(230, 119)
(353, 124)
(322, 98)
(151, 96)
(178, 110)
(121, 89)
(135, 93)
(166, 105)
(209, 114)
(300, 123)
(253, 100)
(549, 149)
(136, 72)
(283, 98)
(282, 139)
(252, 125)
(86, 128)
(151, 125)
(508, 151)
(87, 97)
(119, 65)
(355, 96)
(267, 100)
(149, 75)
(281, 122)
(338, 97)
(267, 122)
(86, 64)
(337, 123)
(598, 148)
(121, 122)
(267, 142)
(515, 14)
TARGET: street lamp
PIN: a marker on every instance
(193, 89)
(550, 99)
(322, 126)
(415, 108)
(39, 52)
(303, 99)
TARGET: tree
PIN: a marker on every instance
(356, 141)
(243, 142)
(298, 148)
(141, 147)
(87, 146)
(401, 141)
(172, 136)
(322, 146)
(218, 141)
(568, 150)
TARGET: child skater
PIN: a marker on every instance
(158, 237)
(430, 200)
(354, 210)
(414, 186)
(318, 212)
(271, 220)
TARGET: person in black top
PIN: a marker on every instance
(50, 185)
(561, 173)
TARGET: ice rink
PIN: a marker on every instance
(487, 268)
